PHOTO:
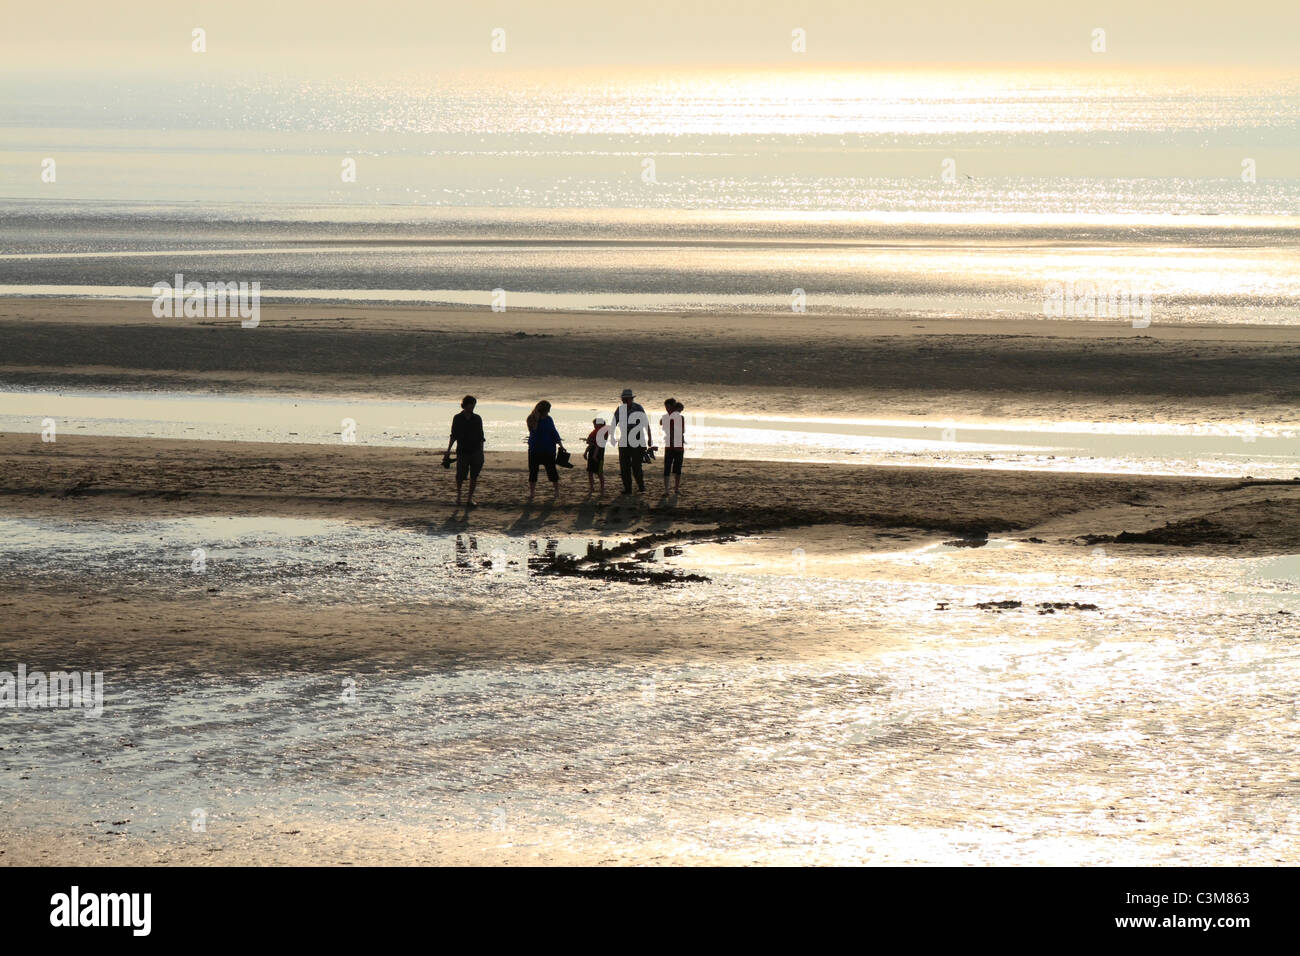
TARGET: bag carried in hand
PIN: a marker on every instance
(562, 459)
(447, 460)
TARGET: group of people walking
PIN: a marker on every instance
(628, 430)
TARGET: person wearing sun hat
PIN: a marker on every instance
(632, 426)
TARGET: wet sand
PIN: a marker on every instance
(866, 708)
(1132, 544)
(790, 706)
(114, 479)
(878, 365)
(127, 477)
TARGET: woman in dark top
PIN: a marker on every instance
(542, 441)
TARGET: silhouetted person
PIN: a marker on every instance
(597, 439)
(632, 426)
(542, 441)
(467, 436)
(673, 427)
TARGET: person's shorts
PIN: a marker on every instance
(596, 463)
(536, 459)
(468, 465)
(673, 461)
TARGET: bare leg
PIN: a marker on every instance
(458, 484)
(473, 483)
(532, 489)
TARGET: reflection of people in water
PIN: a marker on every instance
(463, 550)
(467, 555)
(549, 553)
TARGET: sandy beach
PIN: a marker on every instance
(125, 480)
(119, 477)
(876, 365)
(839, 365)
(162, 635)
(961, 600)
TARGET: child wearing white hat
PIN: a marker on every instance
(595, 455)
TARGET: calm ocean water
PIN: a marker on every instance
(948, 193)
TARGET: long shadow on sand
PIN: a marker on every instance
(456, 521)
(532, 517)
(586, 516)
(624, 512)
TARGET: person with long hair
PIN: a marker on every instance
(543, 438)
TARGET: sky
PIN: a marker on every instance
(352, 36)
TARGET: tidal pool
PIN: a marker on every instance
(1159, 727)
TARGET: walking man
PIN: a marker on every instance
(630, 427)
(467, 436)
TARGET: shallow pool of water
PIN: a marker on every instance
(1226, 448)
(1158, 727)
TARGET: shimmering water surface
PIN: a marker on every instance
(1224, 448)
(1157, 727)
(1197, 268)
(1021, 140)
(934, 192)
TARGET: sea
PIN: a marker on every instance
(856, 190)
